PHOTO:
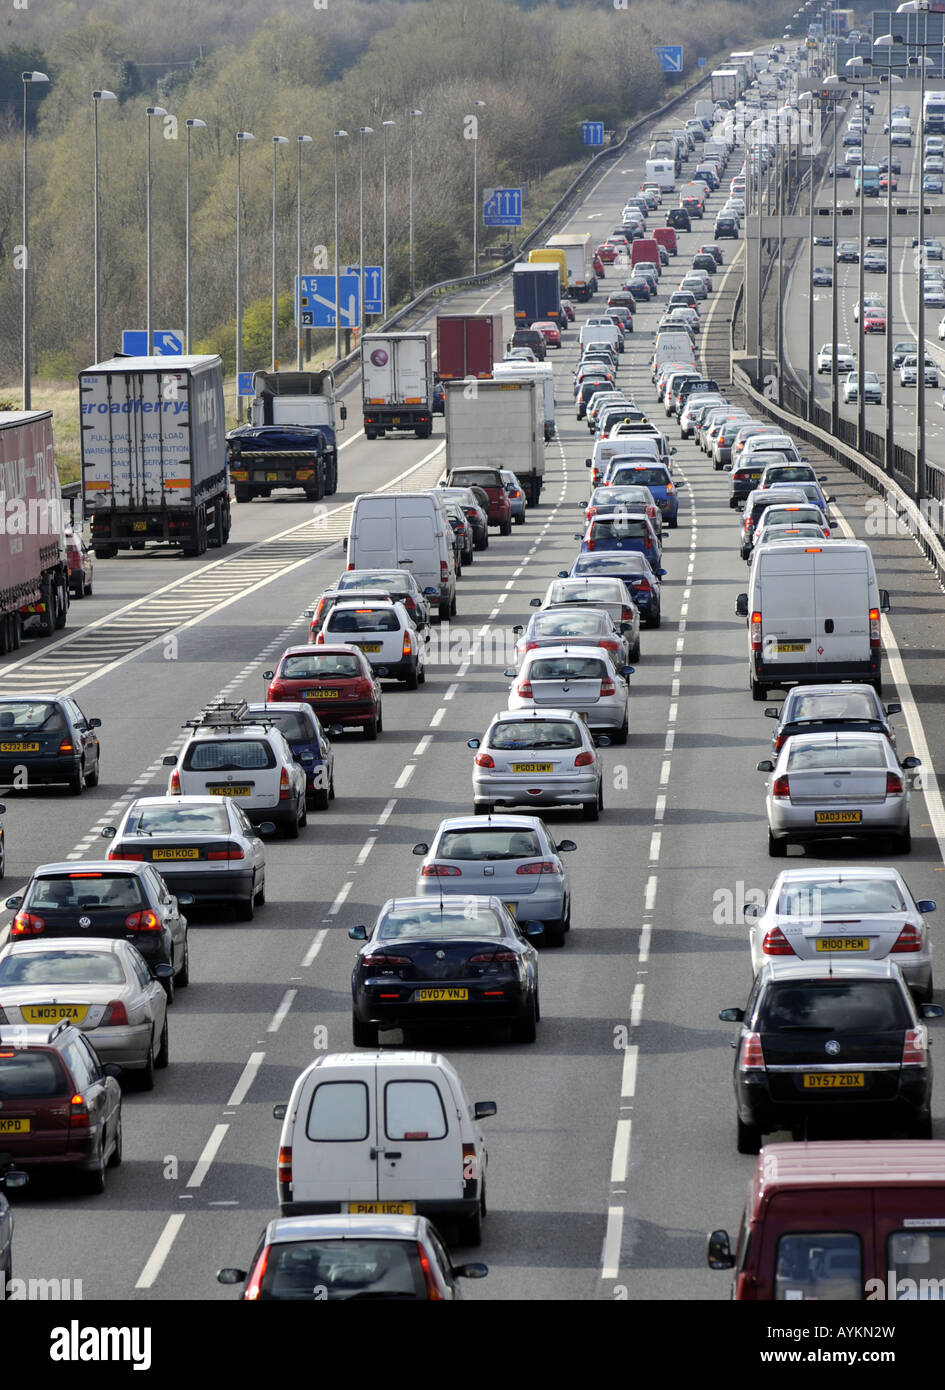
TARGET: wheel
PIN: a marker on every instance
(61, 605)
(657, 619)
(591, 810)
(78, 590)
(369, 434)
(412, 680)
(380, 720)
(777, 849)
(635, 651)
(505, 528)
(243, 494)
(115, 1160)
(555, 932)
(91, 778)
(246, 907)
(444, 610)
(331, 788)
(47, 619)
(93, 1181)
(146, 1078)
(758, 692)
(525, 1029)
(422, 676)
(320, 799)
(748, 1138)
(3, 858)
(673, 522)
(292, 828)
(215, 527)
(76, 783)
(164, 1050)
(261, 894)
(902, 844)
(363, 1034)
(106, 552)
(182, 978)
(469, 1229)
(453, 606)
(303, 818)
(622, 734)
(169, 988)
(520, 519)
(922, 1129)
(370, 730)
(878, 685)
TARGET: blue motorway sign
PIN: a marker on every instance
(165, 342)
(373, 287)
(702, 62)
(502, 207)
(316, 301)
(244, 384)
(670, 56)
(592, 132)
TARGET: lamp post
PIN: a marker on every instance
(338, 135)
(28, 79)
(476, 189)
(277, 140)
(780, 338)
(96, 268)
(302, 140)
(387, 127)
(151, 111)
(893, 80)
(414, 112)
(363, 130)
(833, 84)
(809, 99)
(192, 124)
(241, 136)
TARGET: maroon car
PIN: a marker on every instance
(499, 510)
(336, 679)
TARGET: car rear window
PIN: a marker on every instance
(363, 620)
(340, 1269)
(179, 820)
(611, 495)
(611, 563)
(229, 755)
(647, 477)
(413, 1110)
(38, 716)
(857, 896)
(620, 529)
(320, 666)
(584, 593)
(294, 726)
(567, 668)
(792, 516)
(480, 479)
(30, 1074)
(52, 967)
(87, 890)
(567, 625)
(388, 580)
(841, 753)
(920, 1257)
(463, 919)
(488, 844)
(535, 733)
(833, 1006)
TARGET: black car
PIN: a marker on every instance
(818, 709)
(462, 530)
(840, 171)
(679, 218)
(104, 899)
(726, 226)
(884, 165)
(703, 260)
(453, 961)
(531, 338)
(589, 387)
(49, 737)
(829, 1042)
(903, 350)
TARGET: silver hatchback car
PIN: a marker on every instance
(582, 679)
(538, 758)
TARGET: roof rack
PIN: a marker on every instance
(227, 714)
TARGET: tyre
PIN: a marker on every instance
(261, 894)
(3, 858)
(91, 778)
(303, 818)
(902, 844)
(243, 494)
(635, 651)
(78, 590)
(370, 730)
(748, 1138)
(777, 849)
(673, 522)
(106, 552)
(370, 434)
(591, 810)
(61, 605)
(145, 1078)
(444, 610)
(182, 978)
(47, 619)
(411, 681)
(520, 519)
(657, 619)
(922, 1129)
(422, 676)
(169, 988)
(363, 1034)
(621, 735)
(758, 692)
(115, 1160)
(525, 1029)
(555, 932)
(878, 685)
(246, 907)
(76, 783)
(164, 1050)
(469, 1229)
(505, 528)
(93, 1181)
(320, 797)
(291, 827)
(481, 808)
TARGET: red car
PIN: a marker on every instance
(568, 308)
(598, 265)
(79, 560)
(606, 252)
(884, 181)
(549, 331)
(874, 321)
(335, 679)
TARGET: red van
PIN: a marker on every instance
(861, 1220)
(666, 236)
(645, 249)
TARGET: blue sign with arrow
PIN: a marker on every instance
(165, 342)
(317, 301)
(502, 207)
(592, 132)
(373, 287)
(670, 56)
(244, 384)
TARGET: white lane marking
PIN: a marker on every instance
(660, 810)
(404, 777)
(645, 934)
(387, 812)
(340, 899)
(636, 1005)
(655, 846)
(621, 1156)
(613, 1240)
(673, 711)
(422, 746)
(365, 850)
(437, 718)
(247, 1077)
(664, 772)
(628, 1082)
(285, 1005)
(450, 692)
(318, 941)
(160, 1252)
(650, 898)
(208, 1155)
(670, 740)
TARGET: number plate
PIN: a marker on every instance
(379, 1208)
(842, 943)
(8, 1126)
(139, 526)
(533, 767)
(834, 1081)
(272, 477)
(322, 694)
(369, 646)
(441, 996)
(53, 1013)
(175, 854)
(230, 791)
(395, 420)
(792, 646)
(837, 817)
(19, 747)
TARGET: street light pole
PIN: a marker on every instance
(386, 300)
(241, 136)
(810, 270)
(28, 79)
(833, 84)
(780, 340)
(191, 124)
(302, 140)
(364, 130)
(476, 190)
(918, 480)
(96, 266)
(338, 135)
(414, 112)
(151, 111)
(277, 140)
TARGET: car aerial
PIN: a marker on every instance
(872, 388)
(579, 626)
(539, 758)
(61, 1105)
(200, 845)
(848, 251)
(338, 679)
(909, 371)
(104, 988)
(343, 1257)
(821, 275)
(514, 857)
(857, 910)
(102, 899)
(466, 963)
(804, 801)
(79, 561)
(575, 678)
(384, 633)
(640, 577)
(48, 738)
(874, 1067)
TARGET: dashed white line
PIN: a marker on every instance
(650, 897)
(404, 777)
(285, 1005)
(636, 1005)
(437, 718)
(660, 810)
(247, 1077)
(621, 1157)
(340, 899)
(422, 746)
(450, 692)
(162, 1249)
(387, 812)
(365, 850)
(628, 1082)
(655, 846)
(206, 1158)
(646, 932)
(318, 940)
(613, 1240)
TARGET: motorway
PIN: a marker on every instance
(613, 1150)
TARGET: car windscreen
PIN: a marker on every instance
(52, 967)
(843, 753)
(36, 716)
(566, 668)
(461, 919)
(857, 896)
(320, 666)
(178, 820)
(833, 1006)
(86, 890)
(535, 733)
(229, 755)
(362, 620)
(489, 844)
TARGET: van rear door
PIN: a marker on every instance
(815, 1243)
(787, 606)
(418, 549)
(372, 544)
(421, 1151)
(335, 1137)
(841, 596)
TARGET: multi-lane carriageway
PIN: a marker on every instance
(613, 1150)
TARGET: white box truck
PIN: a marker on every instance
(499, 424)
(725, 84)
(397, 383)
(578, 250)
(662, 172)
(537, 371)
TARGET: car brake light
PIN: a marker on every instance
(584, 760)
(27, 924)
(756, 632)
(115, 1014)
(750, 1054)
(440, 871)
(254, 1286)
(444, 572)
(429, 1278)
(125, 854)
(484, 760)
(893, 784)
(383, 958)
(607, 686)
(524, 688)
(231, 852)
(66, 746)
(320, 639)
(78, 1112)
(143, 921)
(407, 647)
(908, 940)
(285, 1164)
(874, 628)
(626, 615)
(610, 646)
(782, 786)
(174, 785)
(915, 1048)
(643, 586)
(777, 944)
(545, 866)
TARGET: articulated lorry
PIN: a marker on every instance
(34, 577)
(154, 462)
(536, 293)
(397, 383)
(291, 439)
(498, 424)
(578, 250)
(468, 345)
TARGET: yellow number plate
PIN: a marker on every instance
(842, 943)
(322, 694)
(52, 1013)
(369, 646)
(441, 996)
(834, 1081)
(379, 1208)
(533, 767)
(175, 854)
(230, 791)
(272, 477)
(14, 1126)
(837, 817)
(139, 526)
(19, 747)
(792, 646)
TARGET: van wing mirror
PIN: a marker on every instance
(741, 606)
(884, 601)
(358, 933)
(483, 1109)
(279, 1112)
(719, 1251)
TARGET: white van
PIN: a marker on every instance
(672, 347)
(523, 371)
(384, 1132)
(813, 614)
(645, 446)
(405, 530)
(598, 331)
(662, 172)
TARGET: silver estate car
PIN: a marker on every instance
(538, 758)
